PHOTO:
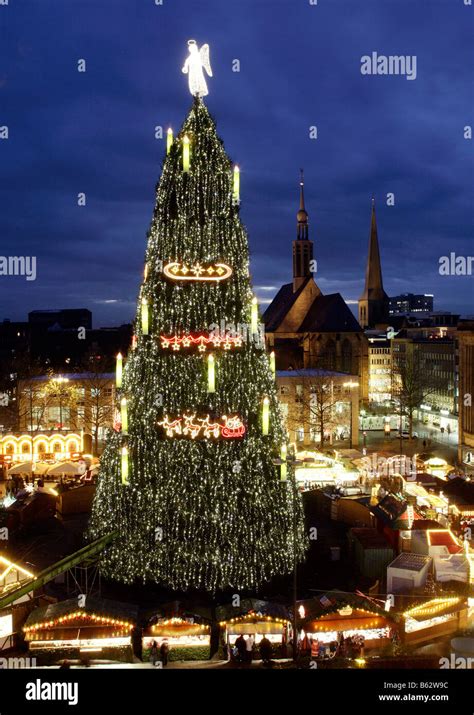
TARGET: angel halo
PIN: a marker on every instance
(193, 67)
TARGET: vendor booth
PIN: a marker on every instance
(433, 619)
(99, 629)
(256, 619)
(344, 625)
(187, 635)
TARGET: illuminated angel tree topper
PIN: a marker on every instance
(194, 486)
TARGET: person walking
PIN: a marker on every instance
(249, 648)
(265, 650)
(154, 657)
(164, 650)
(240, 645)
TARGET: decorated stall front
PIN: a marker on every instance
(98, 629)
(343, 625)
(255, 619)
(186, 634)
(431, 619)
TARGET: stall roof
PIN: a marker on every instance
(252, 605)
(97, 606)
(332, 601)
(179, 609)
(370, 538)
(436, 607)
(410, 562)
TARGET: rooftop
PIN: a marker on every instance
(410, 562)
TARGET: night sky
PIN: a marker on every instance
(93, 132)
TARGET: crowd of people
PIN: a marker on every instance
(245, 649)
(349, 647)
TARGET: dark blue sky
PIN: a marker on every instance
(300, 66)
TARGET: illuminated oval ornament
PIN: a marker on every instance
(198, 272)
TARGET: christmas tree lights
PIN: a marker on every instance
(186, 153)
(169, 140)
(220, 526)
(211, 373)
(118, 370)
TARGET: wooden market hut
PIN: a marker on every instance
(336, 612)
(99, 629)
(256, 618)
(423, 621)
(185, 628)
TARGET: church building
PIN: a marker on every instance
(307, 329)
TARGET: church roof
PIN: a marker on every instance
(330, 314)
(281, 305)
(327, 314)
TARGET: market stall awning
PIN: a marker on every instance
(94, 612)
(357, 621)
(436, 607)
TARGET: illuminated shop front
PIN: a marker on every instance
(434, 618)
(99, 630)
(337, 617)
(374, 629)
(188, 637)
(48, 445)
(256, 619)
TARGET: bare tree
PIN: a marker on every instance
(413, 382)
(98, 396)
(314, 407)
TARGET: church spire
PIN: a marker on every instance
(302, 247)
(373, 303)
(302, 215)
(373, 273)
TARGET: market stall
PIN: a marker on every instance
(431, 619)
(346, 625)
(99, 629)
(187, 636)
(256, 619)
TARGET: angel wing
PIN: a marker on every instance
(204, 55)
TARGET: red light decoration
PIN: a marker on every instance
(199, 272)
(193, 427)
(176, 342)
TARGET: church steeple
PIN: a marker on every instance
(302, 247)
(302, 215)
(373, 303)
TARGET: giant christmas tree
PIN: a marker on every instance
(192, 480)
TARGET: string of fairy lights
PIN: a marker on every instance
(196, 478)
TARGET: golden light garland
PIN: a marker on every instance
(78, 615)
(202, 341)
(214, 272)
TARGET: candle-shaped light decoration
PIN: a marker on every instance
(265, 416)
(283, 471)
(145, 321)
(118, 370)
(134, 342)
(236, 186)
(272, 363)
(254, 317)
(124, 466)
(145, 272)
(211, 374)
(186, 152)
(124, 415)
(169, 140)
